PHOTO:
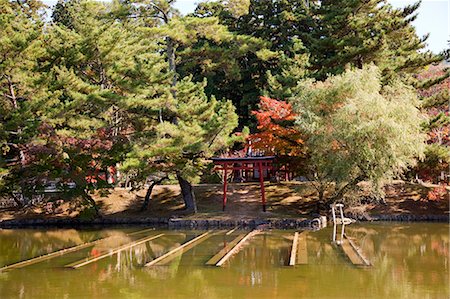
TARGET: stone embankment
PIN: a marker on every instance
(290, 223)
(403, 217)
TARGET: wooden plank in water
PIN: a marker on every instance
(358, 252)
(141, 231)
(351, 253)
(50, 255)
(236, 248)
(232, 231)
(60, 252)
(293, 258)
(186, 248)
(302, 253)
(197, 240)
(225, 250)
(84, 262)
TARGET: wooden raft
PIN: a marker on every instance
(182, 248)
(81, 263)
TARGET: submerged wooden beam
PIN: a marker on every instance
(236, 248)
(49, 255)
(141, 231)
(232, 231)
(302, 253)
(184, 247)
(60, 252)
(361, 257)
(353, 253)
(293, 259)
(84, 262)
(350, 253)
(225, 250)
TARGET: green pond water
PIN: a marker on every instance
(409, 261)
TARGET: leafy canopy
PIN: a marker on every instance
(277, 134)
(356, 129)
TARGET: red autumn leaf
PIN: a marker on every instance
(277, 134)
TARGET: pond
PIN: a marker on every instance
(409, 260)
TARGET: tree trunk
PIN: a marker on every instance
(19, 202)
(188, 194)
(12, 93)
(91, 201)
(171, 59)
(321, 200)
(148, 195)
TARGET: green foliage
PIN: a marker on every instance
(356, 130)
(20, 49)
(87, 213)
(245, 73)
(137, 84)
(308, 39)
(201, 128)
(352, 33)
(437, 157)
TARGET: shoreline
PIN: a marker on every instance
(290, 206)
(286, 223)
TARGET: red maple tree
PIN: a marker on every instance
(277, 134)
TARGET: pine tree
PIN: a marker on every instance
(275, 67)
(21, 37)
(435, 92)
(202, 128)
(191, 126)
(355, 32)
(91, 86)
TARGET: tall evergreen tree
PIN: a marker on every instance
(89, 83)
(273, 69)
(190, 126)
(435, 92)
(356, 32)
(21, 37)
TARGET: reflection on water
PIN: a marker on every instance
(409, 261)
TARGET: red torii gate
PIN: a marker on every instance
(244, 163)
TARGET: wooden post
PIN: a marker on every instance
(261, 182)
(293, 258)
(224, 203)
